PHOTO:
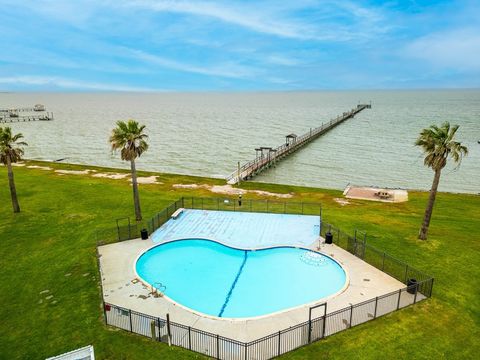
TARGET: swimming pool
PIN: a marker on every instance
(221, 281)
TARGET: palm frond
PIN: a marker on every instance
(129, 138)
(437, 143)
(10, 148)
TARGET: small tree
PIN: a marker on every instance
(131, 140)
(438, 144)
(11, 151)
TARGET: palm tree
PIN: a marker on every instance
(11, 151)
(131, 140)
(438, 144)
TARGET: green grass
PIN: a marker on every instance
(51, 246)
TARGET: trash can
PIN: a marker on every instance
(328, 238)
(412, 286)
(144, 234)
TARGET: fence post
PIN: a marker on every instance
(279, 334)
(202, 203)
(218, 347)
(416, 291)
(169, 333)
(376, 304)
(246, 350)
(130, 316)
(104, 311)
(406, 273)
(159, 335)
(355, 243)
(118, 231)
(324, 321)
(351, 315)
(310, 330)
(364, 244)
(189, 338)
(302, 207)
(399, 296)
(183, 202)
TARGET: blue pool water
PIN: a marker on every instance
(221, 281)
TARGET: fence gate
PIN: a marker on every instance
(316, 326)
(124, 228)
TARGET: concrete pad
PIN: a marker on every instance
(121, 287)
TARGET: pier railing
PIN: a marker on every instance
(418, 287)
(252, 167)
(45, 116)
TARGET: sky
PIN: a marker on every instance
(276, 45)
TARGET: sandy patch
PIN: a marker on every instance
(147, 180)
(18, 164)
(342, 202)
(74, 172)
(187, 186)
(267, 193)
(114, 176)
(229, 190)
(39, 167)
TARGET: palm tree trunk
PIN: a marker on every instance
(136, 198)
(429, 210)
(11, 183)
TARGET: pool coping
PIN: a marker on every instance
(309, 304)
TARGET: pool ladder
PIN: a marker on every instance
(159, 289)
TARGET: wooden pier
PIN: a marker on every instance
(47, 116)
(267, 156)
(37, 113)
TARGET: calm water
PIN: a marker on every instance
(220, 281)
(207, 133)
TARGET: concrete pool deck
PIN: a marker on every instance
(121, 287)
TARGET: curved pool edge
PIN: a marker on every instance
(212, 317)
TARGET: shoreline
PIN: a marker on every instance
(217, 180)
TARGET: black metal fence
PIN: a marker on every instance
(270, 346)
(289, 339)
(357, 245)
(132, 230)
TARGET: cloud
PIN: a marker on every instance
(249, 17)
(230, 70)
(65, 83)
(454, 49)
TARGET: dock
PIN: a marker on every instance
(268, 156)
(47, 116)
(35, 113)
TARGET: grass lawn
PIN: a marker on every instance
(51, 246)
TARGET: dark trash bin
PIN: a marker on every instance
(328, 238)
(144, 234)
(412, 286)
